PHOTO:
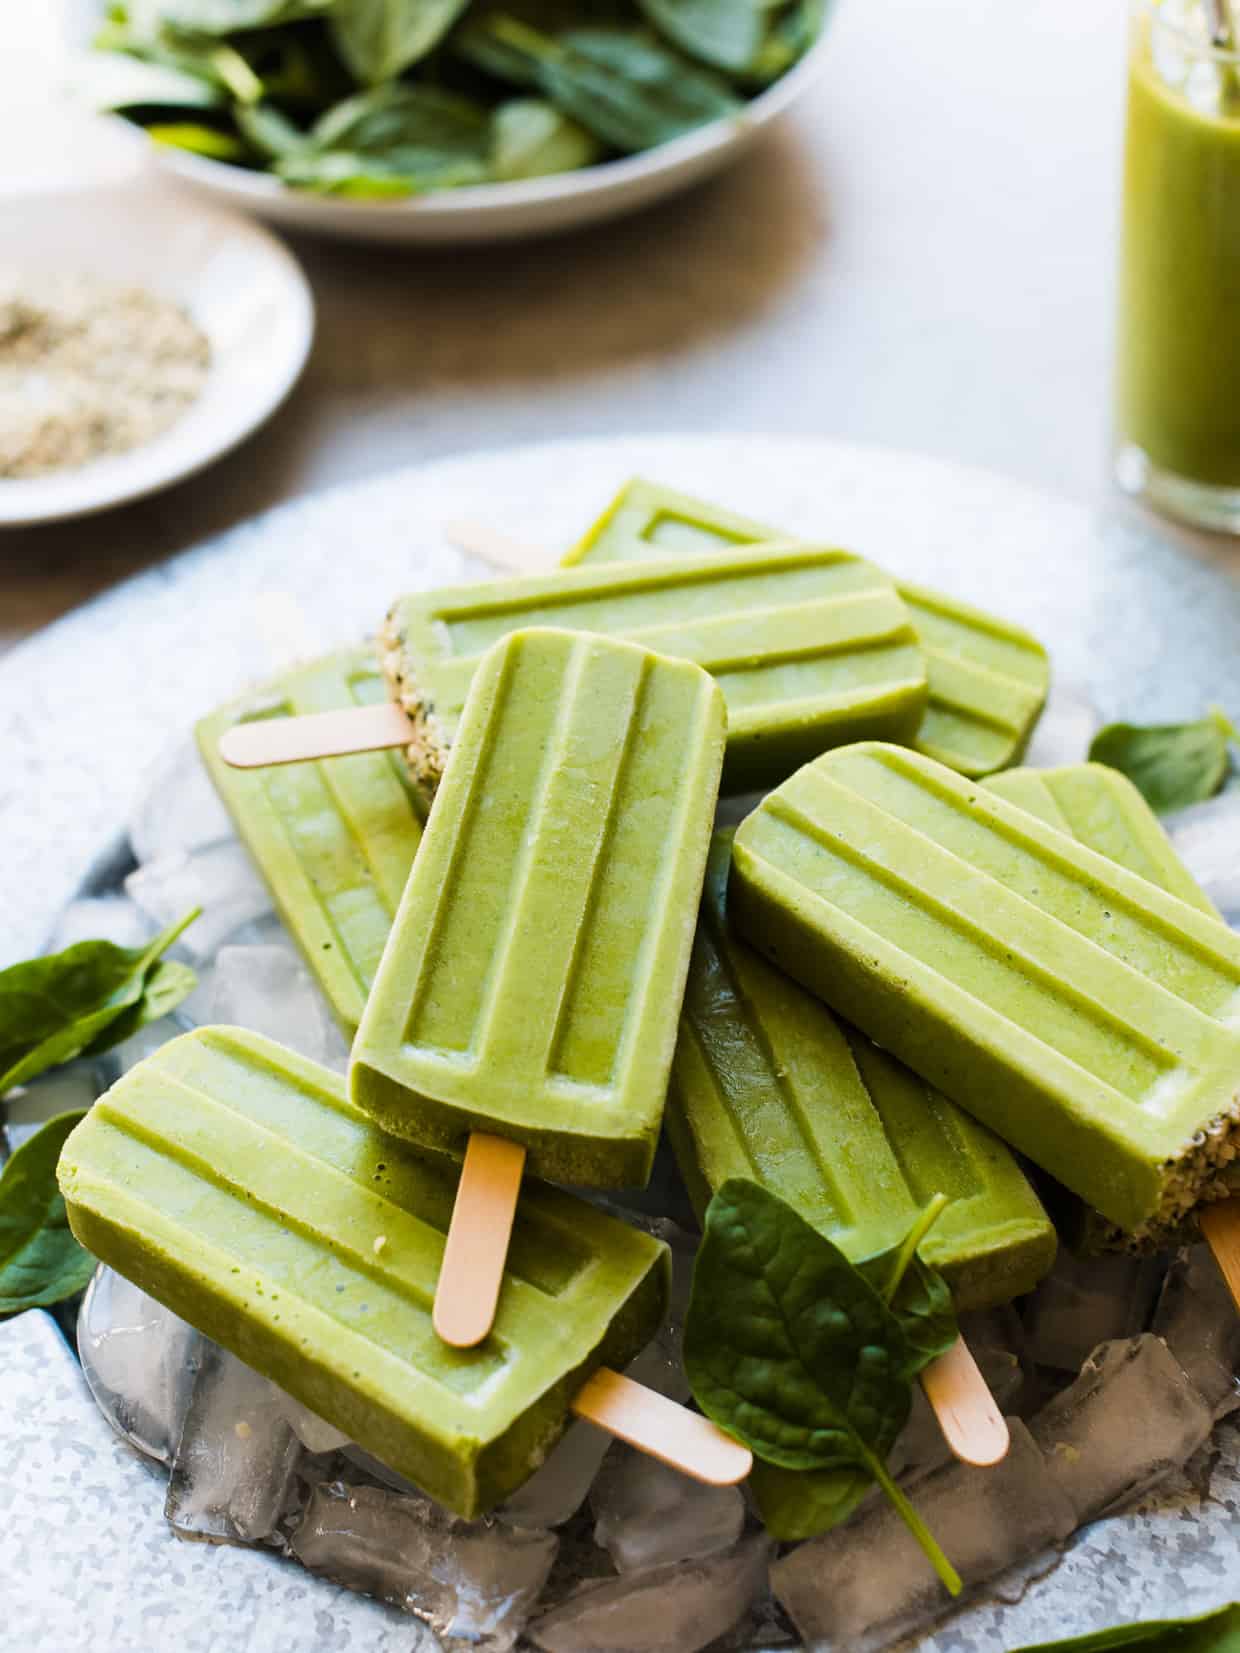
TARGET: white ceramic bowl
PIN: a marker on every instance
(507, 212)
(242, 287)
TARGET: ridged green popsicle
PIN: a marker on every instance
(811, 647)
(532, 982)
(987, 678)
(235, 1182)
(1102, 809)
(1087, 1016)
(767, 1084)
(334, 841)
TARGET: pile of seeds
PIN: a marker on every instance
(89, 368)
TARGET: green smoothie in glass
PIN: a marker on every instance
(1178, 380)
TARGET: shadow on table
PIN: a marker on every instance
(403, 330)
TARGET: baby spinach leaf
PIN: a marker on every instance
(621, 84)
(52, 1009)
(917, 1294)
(198, 139)
(380, 39)
(393, 140)
(1172, 765)
(400, 117)
(790, 1349)
(790, 36)
(268, 131)
(40, 1261)
(167, 983)
(1217, 1632)
(531, 139)
(801, 1503)
(124, 85)
(787, 1345)
(726, 34)
(221, 17)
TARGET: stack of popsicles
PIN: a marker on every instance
(530, 979)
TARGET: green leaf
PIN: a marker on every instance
(787, 1345)
(52, 1009)
(393, 140)
(917, 1294)
(222, 17)
(40, 1261)
(380, 39)
(797, 1504)
(790, 1349)
(1217, 1632)
(531, 139)
(198, 139)
(1172, 765)
(726, 34)
(269, 132)
(791, 35)
(167, 983)
(123, 85)
(621, 84)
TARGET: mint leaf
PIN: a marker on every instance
(40, 1261)
(1217, 1632)
(54, 1008)
(789, 1348)
(1172, 765)
(917, 1294)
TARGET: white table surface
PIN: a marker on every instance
(922, 257)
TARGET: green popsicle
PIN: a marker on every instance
(233, 1181)
(768, 1085)
(532, 982)
(1087, 1016)
(987, 678)
(1102, 809)
(334, 841)
(811, 646)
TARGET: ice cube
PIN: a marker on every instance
(237, 1456)
(1129, 1420)
(1197, 1320)
(476, 1580)
(1206, 837)
(145, 1042)
(867, 1582)
(648, 1514)
(268, 990)
(1068, 724)
(673, 1609)
(557, 1491)
(219, 878)
(26, 1110)
(140, 1361)
(1087, 1301)
(177, 809)
(314, 1432)
(111, 918)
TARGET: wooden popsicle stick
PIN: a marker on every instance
(514, 555)
(1221, 1226)
(472, 1270)
(271, 740)
(662, 1428)
(972, 1423)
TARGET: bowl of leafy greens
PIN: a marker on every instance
(451, 120)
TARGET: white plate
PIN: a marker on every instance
(507, 212)
(242, 287)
